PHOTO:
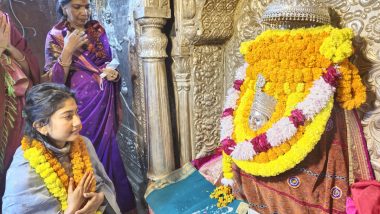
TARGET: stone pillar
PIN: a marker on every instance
(152, 51)
(183, 88)
(181, 74)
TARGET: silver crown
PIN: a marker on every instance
(283, 12)
(263, 103)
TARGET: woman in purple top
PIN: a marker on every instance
(78, 54)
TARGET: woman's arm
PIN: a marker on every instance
(11, 41)
(20, 44)
(57, 59)
(20, 58)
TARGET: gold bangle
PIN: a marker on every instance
(62, 63)
(20, 60)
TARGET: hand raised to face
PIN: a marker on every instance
(74, 40)
(5, 31)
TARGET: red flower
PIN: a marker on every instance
(260, 143)
(331, 76)
(227, 112)
(227, 145)
(237, 84)
(297, 117)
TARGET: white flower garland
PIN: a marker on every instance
(282, 130)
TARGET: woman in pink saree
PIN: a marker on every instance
(78, 54)
(19, 71)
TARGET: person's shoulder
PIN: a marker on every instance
(18, 158)
(85, 139)
(87, 142)
(20, 168)
(19, 164)
(57, 29)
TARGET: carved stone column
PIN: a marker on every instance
(152, 46)
(183, 88)
(182, 76)
(201, 29)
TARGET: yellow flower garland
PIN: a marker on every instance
(52, 172)
(290, 60)
(337, 46)
(288, 160)
(301, 56)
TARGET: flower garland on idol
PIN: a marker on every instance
(304, 69)
(50, 169)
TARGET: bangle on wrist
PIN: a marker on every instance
(63, 64)
(21, 59)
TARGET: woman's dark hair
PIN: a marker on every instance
(60, 4)
(41, 102)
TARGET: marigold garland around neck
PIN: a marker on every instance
(303, 68)
(50, 169)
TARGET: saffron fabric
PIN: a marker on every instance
(319, 184)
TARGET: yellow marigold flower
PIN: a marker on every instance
(245, 47)
(49, 168)
(290, 60)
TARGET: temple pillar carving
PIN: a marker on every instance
(152, 53)
(182, 76)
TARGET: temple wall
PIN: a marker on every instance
(205, 54)
(177, 60)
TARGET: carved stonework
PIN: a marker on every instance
(152, 42)
(247, 27)
(198, 71)
(199, 25)
(182, 88)
(152, 51)
(212, 22)
(207, 97)
(363, 17)
(157, 3)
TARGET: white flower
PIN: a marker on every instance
(280, 132)
(231, 99)
(227, 182)
(241, 72)
(226, 126)
(243, 151)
